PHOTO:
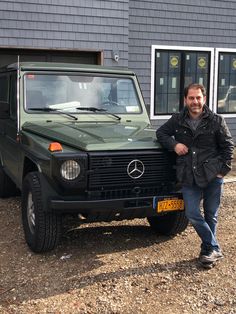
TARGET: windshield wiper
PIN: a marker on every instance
(94, 109)
(47, 109)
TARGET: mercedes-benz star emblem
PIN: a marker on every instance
(135, 169)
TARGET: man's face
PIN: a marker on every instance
(195, 101)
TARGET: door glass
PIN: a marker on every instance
(4, 88)
(13, 96)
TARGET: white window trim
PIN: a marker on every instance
(154, 47)
(217, 52)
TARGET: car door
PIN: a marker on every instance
(9, 146)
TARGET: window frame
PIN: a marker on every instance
(217, 53)
(180, 48)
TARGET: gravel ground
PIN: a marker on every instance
(120, 267)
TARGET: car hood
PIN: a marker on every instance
(96, 136)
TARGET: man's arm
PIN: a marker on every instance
(165, 136)
(226, 147)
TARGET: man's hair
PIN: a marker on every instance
(194, 86)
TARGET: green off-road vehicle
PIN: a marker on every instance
(76, 139)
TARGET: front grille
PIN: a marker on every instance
(108, 171)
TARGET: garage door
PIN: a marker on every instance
(8, 56)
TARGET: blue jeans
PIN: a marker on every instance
(204, 223)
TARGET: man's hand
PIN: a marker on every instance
(181, 149)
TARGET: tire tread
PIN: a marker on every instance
(48, 225)
(169, 224)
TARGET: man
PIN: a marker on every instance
(204, 148)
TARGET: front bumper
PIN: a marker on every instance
(110, 209)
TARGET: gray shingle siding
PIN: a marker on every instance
(130, 26)
(90, 24)
(232, 126)
(183, 23)
(209, 23)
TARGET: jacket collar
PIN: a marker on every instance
(207, 113)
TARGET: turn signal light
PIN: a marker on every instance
(55, 147)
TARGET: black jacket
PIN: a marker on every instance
(210, 147)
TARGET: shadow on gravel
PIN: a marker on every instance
(111, 239)
(87, 243)
(26, 276)
(177, 269)
(91, 254)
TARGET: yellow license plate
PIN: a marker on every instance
(169, 205)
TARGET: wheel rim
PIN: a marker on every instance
(31, 213)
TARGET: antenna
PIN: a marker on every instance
(18, 96)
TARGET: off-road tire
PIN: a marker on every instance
(169, 224)
(42, 229)
(7, 186)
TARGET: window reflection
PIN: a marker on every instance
(226, 99)
(71, 92)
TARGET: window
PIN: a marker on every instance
(4, 93)
(75, 93)
(173, 68)
(13, 96)
(4, 96)
(225, 87)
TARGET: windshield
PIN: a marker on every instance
(70, 93)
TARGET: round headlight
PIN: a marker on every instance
(70, 170)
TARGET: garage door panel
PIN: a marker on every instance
(8, 56)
